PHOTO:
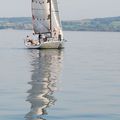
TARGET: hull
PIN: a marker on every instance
(45, 45)
(52, 45)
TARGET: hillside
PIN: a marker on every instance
(98, 24)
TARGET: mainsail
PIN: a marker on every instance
(41, 16)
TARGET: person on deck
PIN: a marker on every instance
(44, 38)
(59, 37)
(39, 37)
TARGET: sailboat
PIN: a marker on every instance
(47, 30)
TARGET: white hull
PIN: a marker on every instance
(46, 45)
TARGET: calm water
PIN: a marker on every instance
(81, 82)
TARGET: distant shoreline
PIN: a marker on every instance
(108, 24)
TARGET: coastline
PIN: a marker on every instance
(108, 24)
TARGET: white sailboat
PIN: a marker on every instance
(46, 25)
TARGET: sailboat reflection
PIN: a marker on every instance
(46, 66)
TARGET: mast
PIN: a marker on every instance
(51, 16)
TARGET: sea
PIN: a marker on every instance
(79, 82)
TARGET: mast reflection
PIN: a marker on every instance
(46, 66)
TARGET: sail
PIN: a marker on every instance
(56, 11)
(56, 23)
(41, 16)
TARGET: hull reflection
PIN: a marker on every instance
(46, 66)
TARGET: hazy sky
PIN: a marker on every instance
(69, 9)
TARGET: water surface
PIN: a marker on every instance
(81, 82)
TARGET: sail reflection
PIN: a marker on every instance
(46, 66)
